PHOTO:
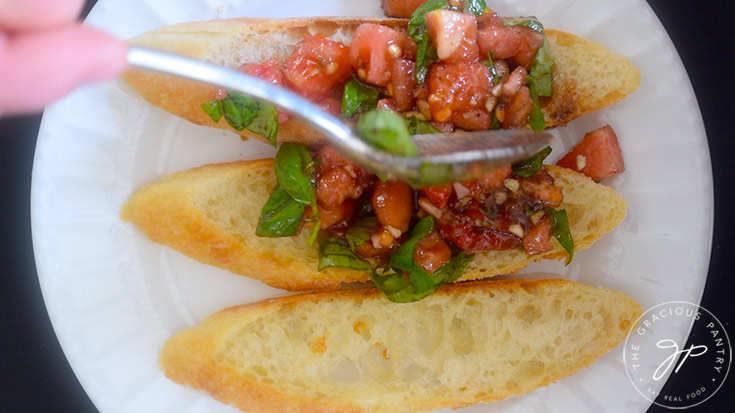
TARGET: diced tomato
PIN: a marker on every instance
(330, 159)
(457, 88)
(393, 204)
(432, 252)
(488, 182)
(597, 156)
(477, 119)
(335, 186)
(517, 43)
(374, 47)
(402, 81)
(400, 8)
(438, 195)
(454, 34)
(464, 234)
(541, 186)
(387, 103)
(316, 65)
(518, 112)
(269, 70)
(330, 105)
(335, 214)
(538, 238)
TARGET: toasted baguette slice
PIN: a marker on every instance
(353, 350)
(587, 76)
(210, 214)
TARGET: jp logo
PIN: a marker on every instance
(653, 348)
(664, 367)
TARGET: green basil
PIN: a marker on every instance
(402, 257)
(476, 7)
(294, 170)
(333, 253)
(490, 64)
(560, 230)
(242, 112)
(531, 23)
(529, 166)
(265, 123)
(413, 285)
(213, 108)
(537, 121)
(281, 215)
(358, 97)
(360, 232)
(239, 110)
(540, 76)
(417, 126)
(434, 174)
(426, 52)
(387, 130)
(296, 188)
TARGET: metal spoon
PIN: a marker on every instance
(443, 157)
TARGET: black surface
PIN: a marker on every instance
(35, 376)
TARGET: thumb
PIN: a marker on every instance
(39, 67)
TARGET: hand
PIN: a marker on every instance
(45, 53)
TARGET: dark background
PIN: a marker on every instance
(35, 376)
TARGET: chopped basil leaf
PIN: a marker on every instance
(359, 233)
(540, 75)
(281, 215)
(213, 108)
(358, 97)
(426, 52)
(239, 110)
(529, 166)
(294, 170)
(242, 112)
(265, 123)
(476, 7)
(560, 230)
(387, 130)
(416, 23)
(413, 285)
(491, 66)
(402, 257)
(537, 121)
(333, 253)
(425, 55)
(417, 126)
(531, 23)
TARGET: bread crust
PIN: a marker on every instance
(223, 354)
(587, 77)
(210, 214)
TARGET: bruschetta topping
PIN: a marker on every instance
(457, 64)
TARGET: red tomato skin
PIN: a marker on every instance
(330, 105)
(438, 195)
(271, 71)
(602, 155)
(454, 35)
(517, 43)
(400, 8)
(457, 88)
(374, 47)
(316, 65)
(464, 234)
(538, 239)
(402, 81)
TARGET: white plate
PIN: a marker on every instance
(114, 297)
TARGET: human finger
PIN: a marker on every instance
(24, 15)
(39, 67)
